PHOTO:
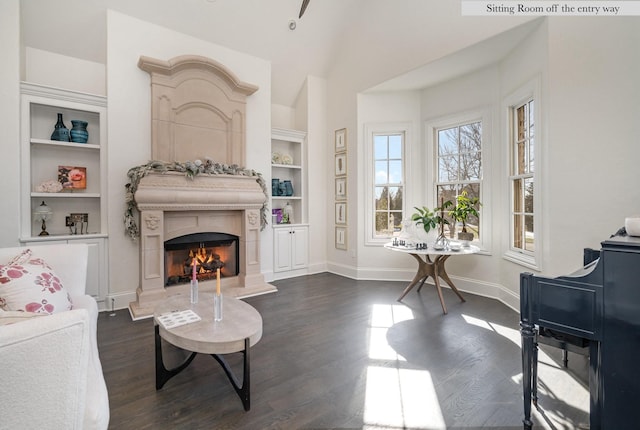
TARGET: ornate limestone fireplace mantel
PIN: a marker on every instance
(198, 111)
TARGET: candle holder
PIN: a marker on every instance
(194, 291)
(217, 307)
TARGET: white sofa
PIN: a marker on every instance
(51, 375)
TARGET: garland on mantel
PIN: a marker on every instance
(191, 169)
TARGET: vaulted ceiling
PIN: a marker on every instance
(260, 28)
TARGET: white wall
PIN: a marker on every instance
(10, 122)
(61, 71)
(313, 106)
(128, 90)
(594, 107)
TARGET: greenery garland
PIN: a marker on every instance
(191, 169)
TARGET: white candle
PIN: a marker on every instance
(193, 270)
(218, 281)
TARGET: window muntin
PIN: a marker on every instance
(522, 178)
(459, 168)
(388, 190)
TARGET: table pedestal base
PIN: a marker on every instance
(435, 269)
(242, 389)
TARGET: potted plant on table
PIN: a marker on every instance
(432, 220)
(465, 207)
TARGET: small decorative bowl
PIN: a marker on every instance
(455, 246)
(632, 225)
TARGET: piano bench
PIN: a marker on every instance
(566, 342)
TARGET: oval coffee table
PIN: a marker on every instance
(240, 329)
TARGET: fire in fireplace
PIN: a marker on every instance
(208, 251)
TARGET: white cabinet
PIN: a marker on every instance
(43, 159)
(288, 164)
(291, 248)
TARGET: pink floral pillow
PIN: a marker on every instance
(28, 284)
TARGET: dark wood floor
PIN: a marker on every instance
(343, 354)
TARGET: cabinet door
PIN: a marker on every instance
(299, 248)
(96, 268)
(282, 249)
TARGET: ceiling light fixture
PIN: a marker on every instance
(292, 25)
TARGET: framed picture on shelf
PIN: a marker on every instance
(341, 238)
(341, 140)
(341, 213)
(341, 188)
(72, 177)
(341, 164)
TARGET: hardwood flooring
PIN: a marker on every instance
(343, 354)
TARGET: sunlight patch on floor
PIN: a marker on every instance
(396, 397)
(401, 398)
(384, 317)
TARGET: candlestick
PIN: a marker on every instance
(217, 307)
(193, 270)
(218, 281)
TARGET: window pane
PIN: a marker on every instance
(382, 224)
(521, 125)
(531, 156)
(470, 167)
(395, 221)
(447, 169)
(517, 231)
(395, 198)
(380, 147)
(381, 172)
(517, 196)
(520, 158)
(448, 141)
(395, 146)
(395, 172)
(528, 195)
(473, 223)
(529, 239)
(382, 198)
(471, 137)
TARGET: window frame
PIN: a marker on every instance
(432, 127)
(526, 93)
(372, 130)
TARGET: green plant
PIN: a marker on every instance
(465, 207)
(425, 217)
(431, 219)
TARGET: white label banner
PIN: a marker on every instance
(550, 8)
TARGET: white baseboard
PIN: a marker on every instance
(117, 301)
(472, 286)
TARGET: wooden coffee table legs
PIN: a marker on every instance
(435, 269)
(242, 388)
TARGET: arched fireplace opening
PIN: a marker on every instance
(208, 251)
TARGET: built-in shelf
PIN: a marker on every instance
(73, 145)
(41, 159)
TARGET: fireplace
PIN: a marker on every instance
(198, 109)
(206, 251)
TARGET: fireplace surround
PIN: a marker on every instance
(198, 112)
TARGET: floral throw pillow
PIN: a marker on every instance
(29, 284)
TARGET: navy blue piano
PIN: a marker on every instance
(597, 310)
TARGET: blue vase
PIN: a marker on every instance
(60, 132)
(275, 183)
(79, 133)
(288, 188)
(282, 190)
